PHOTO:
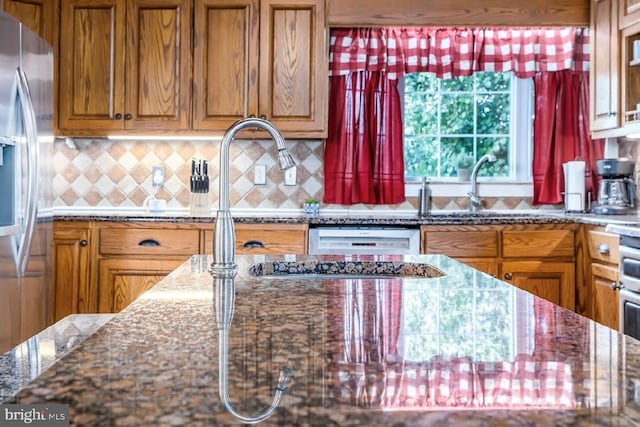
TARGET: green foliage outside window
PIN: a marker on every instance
(446, 117)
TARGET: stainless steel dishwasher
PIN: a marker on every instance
(364, 240)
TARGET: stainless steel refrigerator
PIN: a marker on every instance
(26, 141)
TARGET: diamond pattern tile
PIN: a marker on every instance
(115, 174)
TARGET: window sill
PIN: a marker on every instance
(461, 188)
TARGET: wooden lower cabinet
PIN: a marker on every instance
(605, 295)
(601, 275)
(476, 246)
(104, 266)
(121, 281)
(539, 258)
(553, 281)
(72, 256)
(266, 239)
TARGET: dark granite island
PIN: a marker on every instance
(461, 349)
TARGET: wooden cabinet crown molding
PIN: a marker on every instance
(352, 13)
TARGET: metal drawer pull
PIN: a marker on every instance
(83, 243)
(148, 242)
(616, 286)
(253, 244)
(603, 249)
(508, 276)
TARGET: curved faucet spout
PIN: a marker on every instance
(474, 198)
(224, 235)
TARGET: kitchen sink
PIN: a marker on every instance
(344, 269)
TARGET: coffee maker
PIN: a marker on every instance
(616, 192)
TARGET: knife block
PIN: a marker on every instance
(199, 204)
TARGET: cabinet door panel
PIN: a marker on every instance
(121, 281)
(293, 64)
(37, 15)
(553, 281)
(91, 64)
(605, 298)
(225, 63)
(158, 64)
(71, 255)
(605, 68)
(629, 12)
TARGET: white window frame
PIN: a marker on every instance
(519, 184)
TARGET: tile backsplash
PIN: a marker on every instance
(117, 174)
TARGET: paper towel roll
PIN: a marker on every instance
(574, 185)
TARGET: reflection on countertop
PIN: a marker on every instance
(460, 349)
(31, 358)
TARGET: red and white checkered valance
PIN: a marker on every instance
(453, 52)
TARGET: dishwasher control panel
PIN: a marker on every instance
(364, 240)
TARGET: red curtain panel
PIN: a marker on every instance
(364, 158)
(561, 133)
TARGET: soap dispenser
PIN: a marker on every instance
(423, 199)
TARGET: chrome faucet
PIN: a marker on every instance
(224, 237)
(475, 203)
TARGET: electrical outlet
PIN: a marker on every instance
(260, 174)
(157, 176)
(290, 176)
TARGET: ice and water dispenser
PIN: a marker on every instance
(7, 181)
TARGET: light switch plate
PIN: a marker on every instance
(260, 174)
(290, 176)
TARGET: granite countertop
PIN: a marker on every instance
(386, 218)
(462, 349)
(31, 358)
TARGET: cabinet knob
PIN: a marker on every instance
(83, 243)
(263, 117)
(616, 286)
(128, 116)
(252, 116)
(603, 249)
(508, 276)
(118, 116)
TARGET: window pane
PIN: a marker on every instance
(421, 157)
(498, 147)
(458, 84)
(493, 82)
(450, 150)
(472, 115)
(421, 115)
(457, 114)
(493, 114)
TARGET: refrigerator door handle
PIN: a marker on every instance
(31, 132)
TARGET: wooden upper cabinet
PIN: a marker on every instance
(124, 65)
(225, 80)
(38, 15)
(629, 12)
(264, 59)
(293, 65)
(605, 66)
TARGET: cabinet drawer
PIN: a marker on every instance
(538, 243)
(462, 243)
(603, 246)
(270, 239)
(148, 241)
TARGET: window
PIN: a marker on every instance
(444, 119)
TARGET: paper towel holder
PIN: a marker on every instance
(580, 195)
